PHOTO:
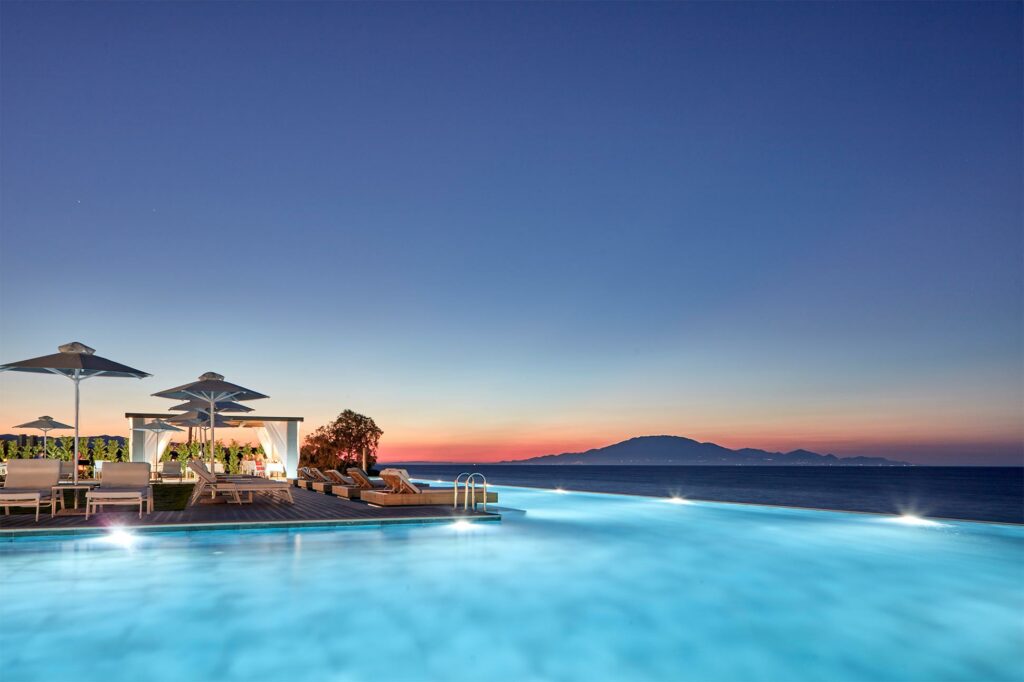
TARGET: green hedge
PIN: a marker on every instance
(63, 448)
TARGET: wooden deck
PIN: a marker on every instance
(310, 509)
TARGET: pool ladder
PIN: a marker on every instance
(469, 490)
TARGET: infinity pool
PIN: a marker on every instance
(580, 587)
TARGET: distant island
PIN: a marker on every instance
(679, 451)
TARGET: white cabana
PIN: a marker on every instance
(279, 437)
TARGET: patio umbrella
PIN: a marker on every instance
(76, 361)
(211, 388)
(223, 406)
(157, 426)
(44, 424)
(199, 420)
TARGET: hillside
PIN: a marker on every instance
(676, 450)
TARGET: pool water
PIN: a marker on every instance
(580, 587)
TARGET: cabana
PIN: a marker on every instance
(279, 437)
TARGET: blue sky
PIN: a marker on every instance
(511, 229)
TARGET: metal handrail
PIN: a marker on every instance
(469, 488)
(455, 500)
(472, 480)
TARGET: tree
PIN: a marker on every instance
(95, 448)
(64, 447)
(110, 450)
(341, 443)
(234, 457)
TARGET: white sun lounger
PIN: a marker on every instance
(30, 483)
(122, 483)
(231, 487)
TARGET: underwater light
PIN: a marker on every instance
(914, 520)
(675, 499)
(120, 537)
(561, 491)
(462, 524)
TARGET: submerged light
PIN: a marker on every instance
(561, 491)
(675, 499)
(914, 520)
(120, 537)
(462, 525)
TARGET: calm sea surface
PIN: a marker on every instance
(976, 493)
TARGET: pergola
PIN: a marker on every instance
(279, 436)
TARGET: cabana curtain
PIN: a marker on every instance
(155, 445)
(275, 434)
(266, 442)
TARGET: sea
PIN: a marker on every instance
(969, 493)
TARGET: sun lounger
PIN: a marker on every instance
(195, 464)
(336, 476)
(171, 469)
(329, 483)
(363, 480)
(334, 483)
(30, 483)
(67, 471)
(231, 488)
(122, 483)
(308, 476)
(402, 492)
(317, 475)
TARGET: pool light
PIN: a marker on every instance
(120, 537)
(561, 491)
(914, 520)
(463, 525)
(675, 499)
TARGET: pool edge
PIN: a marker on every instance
(701, 500)
(12, 535)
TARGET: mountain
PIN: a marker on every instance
(676, 450)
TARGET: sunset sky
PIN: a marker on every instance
(505, 230)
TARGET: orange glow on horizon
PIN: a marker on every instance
(456, 437)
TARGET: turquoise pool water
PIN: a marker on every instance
(581, 587)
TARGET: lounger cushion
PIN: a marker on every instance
(24, 493)
(101, 491)
(22, 496)
(100, 497)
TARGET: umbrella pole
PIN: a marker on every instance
(44, 444)
(213, 440)
(74, 467)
